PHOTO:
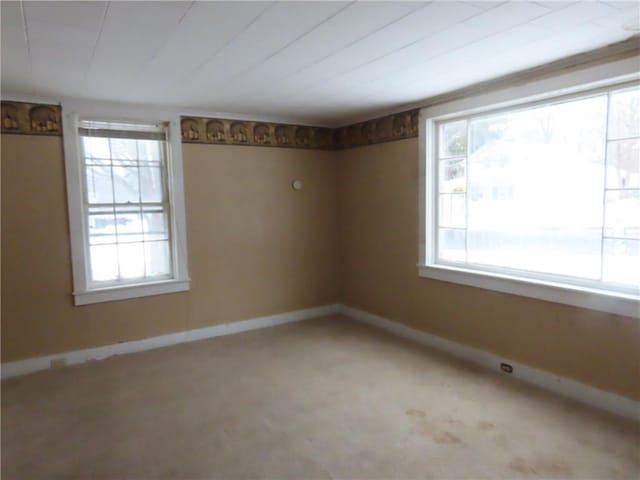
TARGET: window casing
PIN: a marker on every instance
(493, 213)
(126, 208)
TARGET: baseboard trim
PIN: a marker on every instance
(567, 387)
(30, 365)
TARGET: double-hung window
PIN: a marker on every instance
(540, 198)
(127, 222)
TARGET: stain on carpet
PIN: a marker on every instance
(544, 469)
(445, 438)
(486, 426)
(412, 412)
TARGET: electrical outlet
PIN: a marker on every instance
(505, 367)
(58, 362)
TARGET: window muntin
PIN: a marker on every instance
(125, 203)
(550, 191)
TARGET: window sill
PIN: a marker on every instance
(609, 302)
(125, 292)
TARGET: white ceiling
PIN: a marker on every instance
(324, 63)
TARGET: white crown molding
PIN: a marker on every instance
(618, 59)
(566, 387)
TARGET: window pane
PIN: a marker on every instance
(129, 224)
(99, 186)
(104, 262)
(157, 257)
(621, 262)
(96, 147)
(535, 181)
(131, 260)
(452, 210)
(624, 114)
(453, 175)
(151, 184)
(564, 130)
(451, 245)
(573, 252)
(155, 226)
(453, 139)
(102, 228)
(622, 214)
(623, 164)
(149, 150)
(485, 131)
(126, 184)
(123, 149)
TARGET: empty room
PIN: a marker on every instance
(320, 240)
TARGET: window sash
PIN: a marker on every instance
(155, 132)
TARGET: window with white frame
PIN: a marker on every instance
(545, 192)
(127, 231)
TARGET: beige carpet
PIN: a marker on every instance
(327, 398)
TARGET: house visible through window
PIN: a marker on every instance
(548, 191)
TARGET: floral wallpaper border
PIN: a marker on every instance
(39, 119)
(30, 118)
(378, 130)
(245, 132)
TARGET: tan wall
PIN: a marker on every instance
(256, 247)
(378, 188)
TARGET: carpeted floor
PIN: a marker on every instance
(326, 398)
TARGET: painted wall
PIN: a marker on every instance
(378, 195)
(256, 247)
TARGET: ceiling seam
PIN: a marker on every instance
(166, 42)
(25, 29)
(292, 42)
(215, 54)
(311, 65)
(448, 52)
(95, 45)
(431, 34)
(356, 41)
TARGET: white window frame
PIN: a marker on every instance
(83, 292)
(572, 83)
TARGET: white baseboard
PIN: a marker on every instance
(611, 402)
(29, 365)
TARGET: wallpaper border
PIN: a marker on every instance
(30, 118)
(221, 131)
(25, 118)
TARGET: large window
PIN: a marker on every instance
(545, 192)
(126, 230)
